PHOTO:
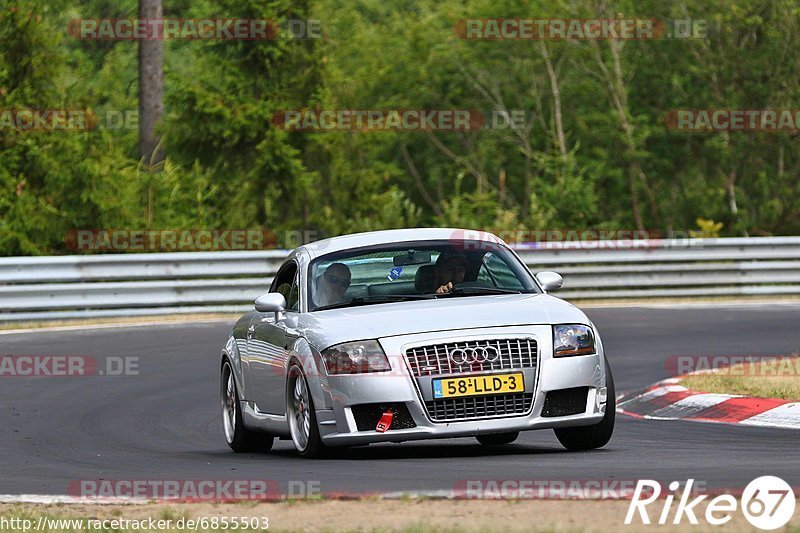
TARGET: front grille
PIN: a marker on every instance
(565, 402)
(435, 359)
(368, 415)
(479, 407)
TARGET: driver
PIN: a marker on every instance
(333, 284)
(450, 271)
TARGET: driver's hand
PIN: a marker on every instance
(445, 288)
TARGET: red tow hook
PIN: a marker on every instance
(385, 422)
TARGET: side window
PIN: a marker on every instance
(293, 301)
(484, 277)
(495, 270)
(286, 283)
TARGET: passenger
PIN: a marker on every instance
(333, 284)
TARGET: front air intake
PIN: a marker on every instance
(368, 415)
(565, 402)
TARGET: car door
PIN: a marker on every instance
(268, 343)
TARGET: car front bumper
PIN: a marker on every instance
(338, 426)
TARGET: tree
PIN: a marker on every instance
(151, 86)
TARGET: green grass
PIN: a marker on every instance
(763, 379)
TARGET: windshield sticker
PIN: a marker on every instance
(394, 273)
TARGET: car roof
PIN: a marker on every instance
(372, 238)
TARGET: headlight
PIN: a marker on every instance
(572, 339)
(355, 358)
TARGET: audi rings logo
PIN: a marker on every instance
(478, 354)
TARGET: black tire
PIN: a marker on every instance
(238, 437)
(312, 448)
(496, 439)
(597, 435)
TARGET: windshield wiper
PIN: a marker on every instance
(473, 291)
(377, 299)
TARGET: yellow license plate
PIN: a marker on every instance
(478, 385)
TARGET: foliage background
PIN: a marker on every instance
(595, 152)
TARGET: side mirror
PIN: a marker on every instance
(550, 281)
(272, 302)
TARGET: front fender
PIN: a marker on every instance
(602, 361)
(314, 369)
(231, 353)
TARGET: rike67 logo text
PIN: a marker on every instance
(767, 502)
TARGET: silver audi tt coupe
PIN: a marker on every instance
(412, 334)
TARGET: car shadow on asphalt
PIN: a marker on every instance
(403, 451)
(426, 451)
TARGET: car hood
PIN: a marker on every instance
(326, 328)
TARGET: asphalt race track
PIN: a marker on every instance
(165, 423)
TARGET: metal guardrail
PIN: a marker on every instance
(61, 287)
(672, 268)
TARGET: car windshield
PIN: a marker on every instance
(415, 271)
